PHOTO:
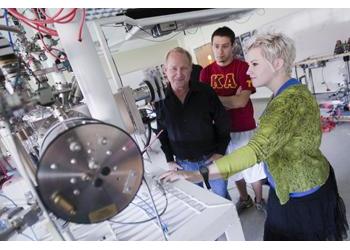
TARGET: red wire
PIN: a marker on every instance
(27, 21)
(154, 139)
(24, 18)
(65, 19)
(40, 24)
(42, 29)
(72, 12)
(3, 170)
(81, 25)
(49, 50)
(50, 20)
(44, 13)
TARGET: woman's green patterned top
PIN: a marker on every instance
(288, 140)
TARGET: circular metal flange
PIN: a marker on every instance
(89, 172)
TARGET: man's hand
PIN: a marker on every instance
(239, 100)
(192, 176)
(171, 176)
(174, 166)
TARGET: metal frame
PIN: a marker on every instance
(305, 64)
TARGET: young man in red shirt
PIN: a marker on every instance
(227, 76)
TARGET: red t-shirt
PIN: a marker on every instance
(225, 81)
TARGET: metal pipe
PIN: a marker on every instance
(108, 56)
(346, 60)
(25, 168)
(88, 70)
(10, 29)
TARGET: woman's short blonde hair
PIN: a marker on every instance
(274, 46)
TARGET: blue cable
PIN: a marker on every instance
(164, 226)
(7, 23)
(9, 199)
(144, 209)
(161, 224)
(145, 202)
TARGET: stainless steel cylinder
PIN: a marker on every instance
(88, 170)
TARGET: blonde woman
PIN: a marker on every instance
(303, 202)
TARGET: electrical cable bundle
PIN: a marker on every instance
(42, 19)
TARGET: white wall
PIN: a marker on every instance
(131, 63)
(137, 59)
(314, 31)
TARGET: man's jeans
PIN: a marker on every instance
(218, 186)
